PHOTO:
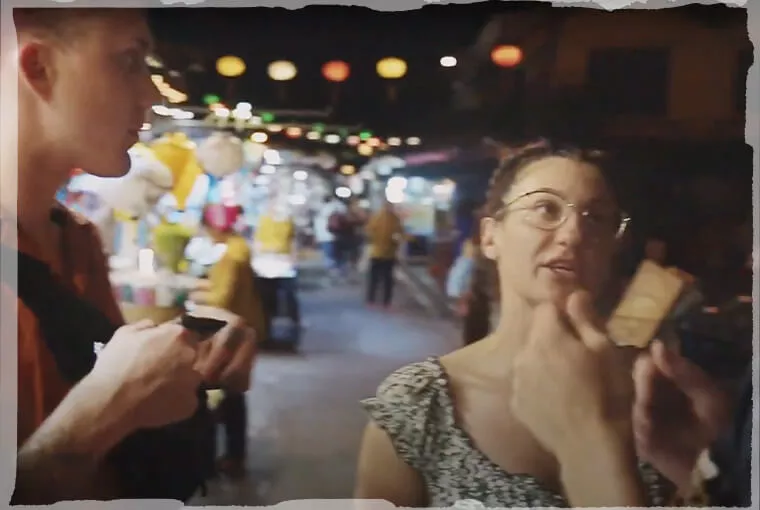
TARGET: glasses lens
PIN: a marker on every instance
(604, 223)
(544, 210)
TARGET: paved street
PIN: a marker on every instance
(305, 422)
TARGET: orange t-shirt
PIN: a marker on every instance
(41, 387)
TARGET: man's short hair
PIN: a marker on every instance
(60, 22)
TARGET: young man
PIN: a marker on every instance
(83, 90)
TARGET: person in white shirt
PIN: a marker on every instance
(324, 236)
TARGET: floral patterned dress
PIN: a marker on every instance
(415, 408)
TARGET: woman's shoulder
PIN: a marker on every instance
(411, 405)
(412, 382)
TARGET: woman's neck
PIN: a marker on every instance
(510, 334)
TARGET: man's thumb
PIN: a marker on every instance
(583, 317)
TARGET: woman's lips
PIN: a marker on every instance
(561, 270)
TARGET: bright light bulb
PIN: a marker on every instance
(300, 175)
(272, 157)
(259, 137)
(343, 192)
(397, 183)
(242, 114)
(448, 61)
(394, 195)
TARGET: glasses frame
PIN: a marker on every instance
(625, 219)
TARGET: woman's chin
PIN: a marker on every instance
(556, 294)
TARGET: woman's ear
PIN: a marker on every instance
(488, 241)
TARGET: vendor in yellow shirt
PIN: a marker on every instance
(275, 236)
(276, 232)
(231, 285)
(385, 232)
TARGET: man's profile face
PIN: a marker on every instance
(96, 90)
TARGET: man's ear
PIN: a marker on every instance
(488, 238)
(36, 67)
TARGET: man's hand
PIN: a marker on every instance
(144, 377)
(150, 373)
(227, 358)
(678, 412)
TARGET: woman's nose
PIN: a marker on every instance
(570, 233)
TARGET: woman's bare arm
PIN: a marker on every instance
(382, 474)
(600, 469)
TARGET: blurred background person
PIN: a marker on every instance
(275, 240)
(324, 235)
(231, 285)
(385, 233)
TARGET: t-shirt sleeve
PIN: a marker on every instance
(403, 407)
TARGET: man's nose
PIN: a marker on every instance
(150, 94)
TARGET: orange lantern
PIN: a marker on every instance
(506, 55)
(336, 71)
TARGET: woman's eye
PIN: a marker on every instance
(548, 209)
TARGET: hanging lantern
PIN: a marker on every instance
(220, 154)
(282, 70)
(506, 55)
(391, 68)
(230, 66)
(336, 71)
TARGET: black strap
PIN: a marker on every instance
(70, 326)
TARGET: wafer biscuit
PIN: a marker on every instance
(647, 301)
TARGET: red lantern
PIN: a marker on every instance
(506, 56)
(336, 71)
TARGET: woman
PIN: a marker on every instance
(443, 430)
(231, 286)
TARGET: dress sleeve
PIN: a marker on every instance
(404, 407)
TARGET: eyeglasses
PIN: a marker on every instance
(547, 210)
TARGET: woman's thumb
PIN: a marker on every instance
(583, 317)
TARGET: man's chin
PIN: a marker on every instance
(114, 170)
